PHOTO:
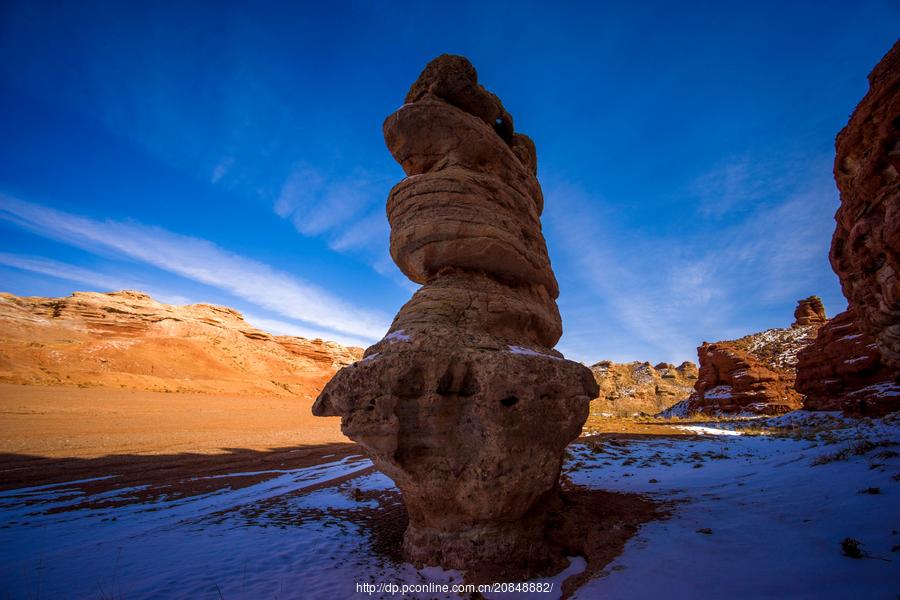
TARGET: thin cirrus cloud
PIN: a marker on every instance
(766, 250)
(202, 261)
(100, 281)
(70, 272)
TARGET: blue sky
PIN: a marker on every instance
(232, 153)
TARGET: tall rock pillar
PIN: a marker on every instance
(464, 403)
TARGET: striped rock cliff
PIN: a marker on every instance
(129, 340)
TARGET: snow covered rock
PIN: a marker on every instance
(465, 404)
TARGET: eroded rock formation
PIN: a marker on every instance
(842, 370)
(865, 249)
(756, 372)
(809, 311)
(464, 403)
(639, 387)
(129, 340)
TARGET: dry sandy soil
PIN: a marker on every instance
(53, 434)
(58, 422)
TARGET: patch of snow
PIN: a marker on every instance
(372, 356)
(856, 360)
(704, 430)
(776, 521)
(886, 389)
(678, 410)
(719, 392)
(521, 350)
(397, 336)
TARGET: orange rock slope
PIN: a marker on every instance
(628, 389)
(756, 372)
(128, 340)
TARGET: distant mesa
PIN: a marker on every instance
(129, 340)
(637, 388)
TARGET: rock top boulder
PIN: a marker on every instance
(464, 403)
(809, 311)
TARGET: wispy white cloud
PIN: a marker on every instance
(202, 261)
(370, 233)
(639, 293)
(279, 327)
(735, 184)
(107, 283)
(660, 296)
(336, 207)
(100, 282)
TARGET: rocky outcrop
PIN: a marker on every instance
(756, 372)
(842, 370)
(809, 311)
(865, 249)
(464, 403)
(128, 340)
(640, 388)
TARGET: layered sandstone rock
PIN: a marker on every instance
(865, 249)
(842, 370)
(809, 311)
(641, 388)
(756, 372)
(128, 340)
(464, 403)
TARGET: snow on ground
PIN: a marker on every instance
(751, 516)
(756, 516)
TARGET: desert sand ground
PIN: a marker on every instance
(70, 422)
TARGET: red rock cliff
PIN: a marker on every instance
(865, 249)
(842, 370)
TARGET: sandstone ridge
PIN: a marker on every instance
(129, 340)
(627, 389)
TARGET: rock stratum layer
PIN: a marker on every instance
(627, 389)
(464, 403)
(843, 370)
(128, 340)
(756, 372)
(865, 249)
